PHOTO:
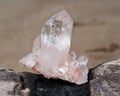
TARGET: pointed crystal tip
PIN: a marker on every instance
(63, 13)
(63, 16)
(57, 31)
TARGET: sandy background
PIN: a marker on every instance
(96, 32)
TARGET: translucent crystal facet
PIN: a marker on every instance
(50, 55)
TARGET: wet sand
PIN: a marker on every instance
(96, 31)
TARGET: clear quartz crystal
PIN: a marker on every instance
(50, 55)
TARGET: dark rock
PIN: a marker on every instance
(106, 79)
(41, 86)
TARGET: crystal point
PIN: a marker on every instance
(50, 55)
(57, 31)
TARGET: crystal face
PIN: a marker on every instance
(50, 55)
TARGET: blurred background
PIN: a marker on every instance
(96, 31)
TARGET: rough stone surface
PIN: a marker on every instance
(8, 79)
(103, 80)
(10, 83)
(106, 79)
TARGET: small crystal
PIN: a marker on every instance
(50, 55)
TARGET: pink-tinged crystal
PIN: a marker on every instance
(50, 55)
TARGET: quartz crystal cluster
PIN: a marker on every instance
(50, 55)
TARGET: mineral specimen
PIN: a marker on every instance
(50, 55)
